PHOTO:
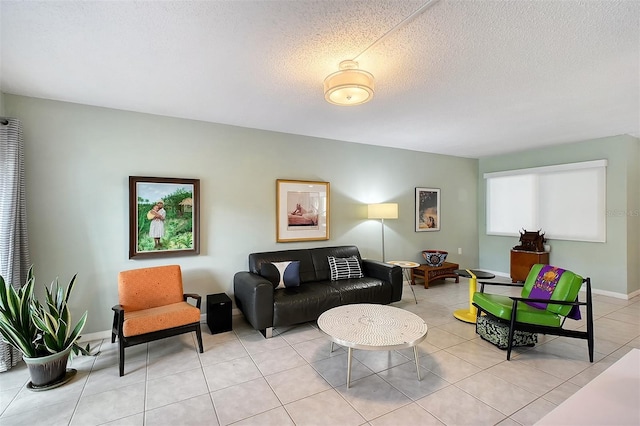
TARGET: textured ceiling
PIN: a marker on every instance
(464, 78)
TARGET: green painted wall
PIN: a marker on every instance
(79, 158)
(612, 265)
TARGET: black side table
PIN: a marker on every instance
(218, 313)
(469, 315)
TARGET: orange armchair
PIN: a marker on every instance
(153, 306)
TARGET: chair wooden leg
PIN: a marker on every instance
(512, 325)
(121, 363)
(114, 328)
(590, 339)
(199, 337)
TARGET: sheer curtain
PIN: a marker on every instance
(14, 251)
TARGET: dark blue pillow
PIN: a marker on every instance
(282, 274)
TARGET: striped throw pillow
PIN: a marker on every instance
(344, 268)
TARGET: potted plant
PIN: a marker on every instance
(42, 332)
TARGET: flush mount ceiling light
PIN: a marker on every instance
(353, 86)
(349, 86)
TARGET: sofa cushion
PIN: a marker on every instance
(363, 290)
(320, 254)
(160, 318)
(344, 268)
(304, 303)
(282, 274)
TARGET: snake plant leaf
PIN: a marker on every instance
(77, 349)
(50, 323)
(65, 315)
(4, 301)
(53, 310)
(14, 301)
(72, 283)
(17, 340)
(62, 334)
(60, 296)
(39, 322)
(23, 308)
(15, 323)
(63, 329)
(75, 334)
(50, 343)
(47, 292)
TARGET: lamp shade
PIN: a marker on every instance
(349, 86)
(383, 211)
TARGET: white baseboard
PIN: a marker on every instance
(613, 293)
(634, 294)
(89, 337)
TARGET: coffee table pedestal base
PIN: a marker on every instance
(465, 315)
(469, 315)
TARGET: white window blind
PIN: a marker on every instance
(567, 201)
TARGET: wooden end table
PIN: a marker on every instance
(432, 273)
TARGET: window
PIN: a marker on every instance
(567, 201)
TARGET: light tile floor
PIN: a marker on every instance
(293, 379)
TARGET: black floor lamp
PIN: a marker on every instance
(383, 211)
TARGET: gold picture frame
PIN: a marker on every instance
(302, 210)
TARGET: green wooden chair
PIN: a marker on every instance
(517, 313)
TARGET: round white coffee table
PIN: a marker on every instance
(373, 328)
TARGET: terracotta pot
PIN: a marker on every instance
(48, 369)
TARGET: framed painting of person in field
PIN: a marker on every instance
(164, 217)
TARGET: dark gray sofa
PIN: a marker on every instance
(265, 307)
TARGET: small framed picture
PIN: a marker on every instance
(427, 209)
(164, 217)
(302, 210)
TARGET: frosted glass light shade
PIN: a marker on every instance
(349, 86)
(383, 211)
